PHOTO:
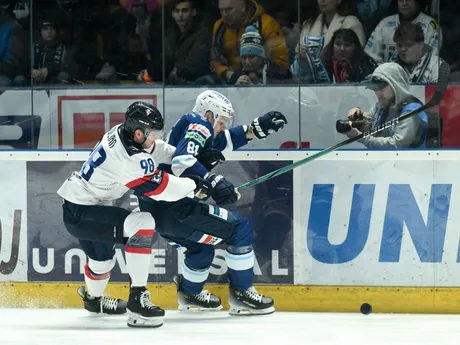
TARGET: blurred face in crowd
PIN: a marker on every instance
(408, 8)
(183, 14)
(233, 12)
(386, 96)
(251, 63)
(48, 33)
(344, 50)
(328, 5)
(410, 52)
(139, 12)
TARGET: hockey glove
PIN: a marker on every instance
(223, 192)
(210, 158)
(266, 124)
(203, 188)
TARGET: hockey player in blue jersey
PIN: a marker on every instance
(199, 138)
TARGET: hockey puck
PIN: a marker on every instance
(366, 308)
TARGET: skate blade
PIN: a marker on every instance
(138, 321)
(195, 308)
(102, 315)
(250, 312)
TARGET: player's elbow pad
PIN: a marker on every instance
(176, 189)
(181, 163)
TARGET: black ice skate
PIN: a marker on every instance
(249, 302)
(102, 305)
(142, 313)
(204, 301)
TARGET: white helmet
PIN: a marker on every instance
(216, 102)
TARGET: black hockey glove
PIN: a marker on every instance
(266, 124)
(203, 188)
(222, 191)
(210, 158)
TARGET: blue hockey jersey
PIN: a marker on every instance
(192, 134)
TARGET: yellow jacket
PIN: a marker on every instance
(225, 51)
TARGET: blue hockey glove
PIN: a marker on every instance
(266, 124)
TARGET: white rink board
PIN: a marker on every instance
(397, 244)
(417, 253)
(13, 221)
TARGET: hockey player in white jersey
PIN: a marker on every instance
(126, 158)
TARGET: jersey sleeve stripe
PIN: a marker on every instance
(146, 232)
(161, 187)
(136, 250)
(137, 182)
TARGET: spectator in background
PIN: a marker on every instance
(53, 61)
(256, 69)
(381, 46)
(343, 59)
(390, 82)
(12, 51)
(414, 55)
(227, 32)
(187, 45)
(370, 12)
(333, 15)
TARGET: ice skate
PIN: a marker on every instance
(142, 313)
(204, 301)
(102, 305)
(249, 302)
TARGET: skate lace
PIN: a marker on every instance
(253, 294)
(108, 303)
(145, 300)
(203, 296)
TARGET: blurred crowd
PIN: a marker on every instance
(223, 42)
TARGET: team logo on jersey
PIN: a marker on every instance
(196, 136)
(157, 177)
(209, 239)
(218, 212)
(434, 25)
(391, 24)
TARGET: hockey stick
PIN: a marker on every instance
(443, 78)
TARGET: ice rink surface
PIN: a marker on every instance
(77, 327)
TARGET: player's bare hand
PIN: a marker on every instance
(354, 114)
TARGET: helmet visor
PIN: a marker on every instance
(154, 134)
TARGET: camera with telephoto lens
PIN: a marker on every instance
(343, 126)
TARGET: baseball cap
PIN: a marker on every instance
(376, 83)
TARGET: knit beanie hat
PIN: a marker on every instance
(251, 43)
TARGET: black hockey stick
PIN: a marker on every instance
(443, 79)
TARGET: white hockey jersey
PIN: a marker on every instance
(381, 47)
(115, 166)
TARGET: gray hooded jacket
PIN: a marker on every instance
(409, 133)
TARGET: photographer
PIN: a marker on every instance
(390, 82)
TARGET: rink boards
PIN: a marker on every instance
(351, 227)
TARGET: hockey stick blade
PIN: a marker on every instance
(443, 79)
